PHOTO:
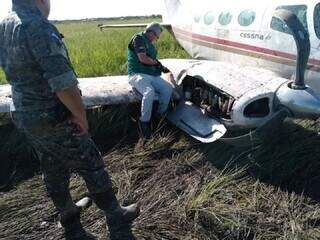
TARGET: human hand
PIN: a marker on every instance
(81, 125)
(162, 68)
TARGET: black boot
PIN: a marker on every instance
(73, 229)
(119, 222)
(145, 130)
(118, 218)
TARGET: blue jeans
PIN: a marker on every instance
(147, 86)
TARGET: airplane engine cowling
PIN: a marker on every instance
(301, 103)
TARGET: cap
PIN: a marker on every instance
(154, 27)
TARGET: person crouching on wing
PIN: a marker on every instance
(49, 110)
(145, 74)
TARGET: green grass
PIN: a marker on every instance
(2, 77)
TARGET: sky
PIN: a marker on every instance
(80, 9)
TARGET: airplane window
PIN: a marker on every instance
(246, 17)
(197, 18)
(299, 10)
(208, 18)
(316, 20)
(225, 18)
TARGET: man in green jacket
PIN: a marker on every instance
(48, 109)
(145, 74)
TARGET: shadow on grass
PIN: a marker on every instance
(290, 160)
(16, 159)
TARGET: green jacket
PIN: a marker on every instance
(134, 64)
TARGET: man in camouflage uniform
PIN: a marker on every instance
(47, 107)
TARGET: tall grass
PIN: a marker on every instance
(2, 77)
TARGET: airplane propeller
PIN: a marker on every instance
(298, 98)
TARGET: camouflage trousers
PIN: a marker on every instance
(60, 152)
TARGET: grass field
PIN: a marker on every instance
(2, 77)
(187, 190)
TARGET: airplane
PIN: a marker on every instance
(248, 69)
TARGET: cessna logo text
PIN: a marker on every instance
(252, 36)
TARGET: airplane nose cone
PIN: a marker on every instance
(303, 103)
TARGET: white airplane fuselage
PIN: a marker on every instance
(245, 33)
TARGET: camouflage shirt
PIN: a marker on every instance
(34, 59)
